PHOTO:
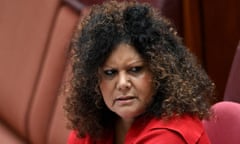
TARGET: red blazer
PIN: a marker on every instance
(184, 130)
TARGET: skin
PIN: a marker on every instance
(126, 84)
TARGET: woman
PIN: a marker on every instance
(133, 80)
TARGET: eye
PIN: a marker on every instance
(110, 72)
(136, 69)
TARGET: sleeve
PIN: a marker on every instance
(161, 136)
(71, 137)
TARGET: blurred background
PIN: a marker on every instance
(35, 35)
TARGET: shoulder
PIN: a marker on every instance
(74, 139)
(179, 130)
(190, 129)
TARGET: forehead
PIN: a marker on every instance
(124, 52)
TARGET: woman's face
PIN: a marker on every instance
(126, 82)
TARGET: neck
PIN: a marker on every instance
(121, 129)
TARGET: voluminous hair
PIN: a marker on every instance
(182, 86)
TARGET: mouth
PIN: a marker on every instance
(124, 100)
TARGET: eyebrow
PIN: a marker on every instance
(129, 64)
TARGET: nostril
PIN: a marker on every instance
(124, 85)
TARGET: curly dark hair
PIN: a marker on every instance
(182, 86)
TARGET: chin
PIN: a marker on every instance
(128, 115)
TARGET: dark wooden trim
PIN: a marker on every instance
(192, 27)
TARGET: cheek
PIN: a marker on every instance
(102, 86)
(145, 85)
(106, 91)
(105, 88)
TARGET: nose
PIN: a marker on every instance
(124, 82)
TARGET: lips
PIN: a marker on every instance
(125, 97)
(124, 100)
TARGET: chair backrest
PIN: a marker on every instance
(34, 36)
(224, 126)
(232, 91)
(24, 31)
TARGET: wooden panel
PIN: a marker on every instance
(221, 21)
(192, 27)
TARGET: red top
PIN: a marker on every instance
(183, 130)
